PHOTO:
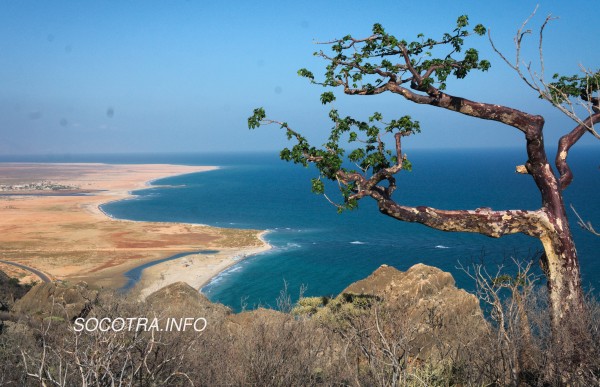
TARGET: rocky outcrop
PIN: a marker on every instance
(422, 304)
(418, 289)
(180, 298)
(57, 299)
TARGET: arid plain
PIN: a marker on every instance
(50, 221)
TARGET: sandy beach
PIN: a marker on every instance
(50, 220)
(195, 269)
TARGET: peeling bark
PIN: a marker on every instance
(482, 220)
(560, 262)
(564, 145)
(549, 223)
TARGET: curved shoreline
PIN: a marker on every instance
(162, 272)
(135, 275)
(146, 185)
(238, 259)
(73, 238)
(196, 269)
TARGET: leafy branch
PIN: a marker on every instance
(374, 161)
(387, 57)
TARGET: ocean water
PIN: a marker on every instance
(316, 248)
(322, 251)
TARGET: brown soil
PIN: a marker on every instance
(68, 237)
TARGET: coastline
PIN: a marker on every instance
(196, 269)
(71, 238)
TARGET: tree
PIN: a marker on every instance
(418, 71)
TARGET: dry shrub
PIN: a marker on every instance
(521, 348)
(273, 348)
(56, 354)
(261, 347)
(349, 340)
(388, 345)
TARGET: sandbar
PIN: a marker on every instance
(58, 228)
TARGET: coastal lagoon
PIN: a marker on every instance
(316, 248)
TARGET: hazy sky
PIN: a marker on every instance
(183, 76)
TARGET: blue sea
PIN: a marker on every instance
(323, 251)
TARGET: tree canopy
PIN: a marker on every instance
(418, 71)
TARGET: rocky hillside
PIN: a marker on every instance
(421, 293)
(432, 310)
(391, 328)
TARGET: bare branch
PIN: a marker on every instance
(587, 226)
(538, 82)
(541, 51)
(517, 39)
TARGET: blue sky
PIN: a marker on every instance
(183, 76)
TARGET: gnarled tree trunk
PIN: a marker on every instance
(560, 261)
(412, 78)
(561, 266)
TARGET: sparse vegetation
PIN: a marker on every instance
(357, 340)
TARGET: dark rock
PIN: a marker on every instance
(10, 291)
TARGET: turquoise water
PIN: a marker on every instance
(316, 247)
(324, 251)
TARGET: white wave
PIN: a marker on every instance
(222, 275)
(357, 243)
(441, 247)
(213, 281)
(288, 229)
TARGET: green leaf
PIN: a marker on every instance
(306, 74)
(285, 154)
(317, 186)
(462, 21)
(255, 119)
(479, 29)
(356, 155)
(327, 97)
(378, 29)
(375, 117)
